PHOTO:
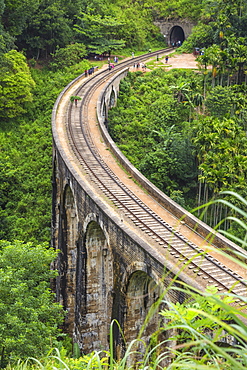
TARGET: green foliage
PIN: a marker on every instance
(29, 318)
(6, 42)
(68, 56)
(201, 37)
(57, 358)
(99, 32)
(47, 29)
(207, 331)
(219, 101)
(219, 20)
(138, 31)
(148, 126)
(16, 85)
(16, 15)
(25, 161)
(26, 196)
(39, 28)
(221, 146)
(194, 322)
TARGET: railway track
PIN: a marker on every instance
(196, 261)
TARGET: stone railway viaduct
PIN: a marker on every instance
(107, 268)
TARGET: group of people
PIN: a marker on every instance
(176, 44)
(89, 71)
(99, 57)
(137, 65)
(140, 65)
(111, 65)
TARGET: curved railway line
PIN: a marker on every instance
(198, 263)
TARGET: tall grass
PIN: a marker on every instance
(206, 332)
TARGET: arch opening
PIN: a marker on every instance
(112, 98)
(95, 280)
(177, 36)
(104, 113)
(67, 257)
(142, 292)
(142, 319)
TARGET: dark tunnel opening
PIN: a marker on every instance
(177, 36)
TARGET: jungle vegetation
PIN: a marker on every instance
(184, 130)
(202, 120)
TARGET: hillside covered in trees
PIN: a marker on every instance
(40, 28)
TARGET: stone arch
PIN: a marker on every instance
(55, 200)
(176, 35)
(113, 98)
(68, 256)
(96, 288)
(143, 289)
(142, 292)
(104, 112)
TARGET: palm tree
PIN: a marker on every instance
(214, 57)
(197, 100)
(238, 56)
(182, 91)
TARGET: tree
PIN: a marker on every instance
(16, 84)
(29, 317)
(99, 33)
(201, 37)
(238, 52)
(213, 53)
(7, 176)
(16, 15)
(47, 29)
(221, 146)
(6, 41)
(71, 54)
(182, 91)
(219, 101)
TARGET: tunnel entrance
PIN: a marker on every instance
(177, 36)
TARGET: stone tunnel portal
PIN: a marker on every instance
(176, 35)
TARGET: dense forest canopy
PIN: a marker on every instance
(41, 27)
